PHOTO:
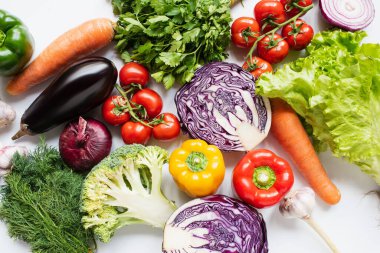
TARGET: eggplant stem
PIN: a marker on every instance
(322, 234)
(23, 131)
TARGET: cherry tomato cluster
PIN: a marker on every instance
(138, 108)
(272, 48)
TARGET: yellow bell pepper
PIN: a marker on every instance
(197, 168)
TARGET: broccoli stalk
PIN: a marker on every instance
(127, 191)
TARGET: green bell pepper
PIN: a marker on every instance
(16, 44)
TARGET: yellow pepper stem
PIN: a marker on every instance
(196, 161)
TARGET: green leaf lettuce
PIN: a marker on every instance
(336, 89)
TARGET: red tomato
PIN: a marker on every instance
(244, 32)
(298, 34)
(273, 48)
(257, 66)
(167, 130)
(135, 132)
(133, 72)
(291, 8)
(112, 113)
(269, 13)
(150, 100)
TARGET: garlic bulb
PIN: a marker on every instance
(7, 114)
(6, 155)
(298, 203)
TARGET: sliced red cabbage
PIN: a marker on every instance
(215, 224)
(351, 15)
(220, 106)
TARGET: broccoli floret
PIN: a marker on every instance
(125, 188)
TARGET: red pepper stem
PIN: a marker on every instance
(303, 11)
(264, 177)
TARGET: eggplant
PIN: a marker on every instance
(79, 89)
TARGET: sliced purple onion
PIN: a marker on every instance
(220, 106)
(215, 224)
(351, 15)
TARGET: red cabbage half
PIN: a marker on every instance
(220, 106)
(215, 224)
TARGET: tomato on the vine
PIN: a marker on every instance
(257, 66)
(269, 13)
(273, 48)
(167, 130)
(291, 6)
(150, 100)
(113, 112)
(135, 132)
(133, 73)
(244, 32)
(298, 34)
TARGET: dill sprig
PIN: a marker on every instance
(40, 203)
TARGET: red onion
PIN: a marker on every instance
(84, 144)
(351, 15)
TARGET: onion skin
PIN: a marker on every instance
(84, 143)
(336, 16)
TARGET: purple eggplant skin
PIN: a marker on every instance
(79, 89)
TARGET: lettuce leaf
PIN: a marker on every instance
(336, 89)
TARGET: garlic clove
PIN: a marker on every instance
(298, 203)
(6, 156)
(7, 114)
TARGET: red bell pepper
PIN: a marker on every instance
(262, 178)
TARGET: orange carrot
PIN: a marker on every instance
(76, 43)
(288, 130)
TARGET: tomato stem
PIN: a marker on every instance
(133, 87)
(157, 121)
(303, 11)
(129, 107)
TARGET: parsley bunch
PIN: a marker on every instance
(172, 37)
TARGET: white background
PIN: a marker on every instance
(353, 224)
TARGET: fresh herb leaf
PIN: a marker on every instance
(172, 59)
(168, 81)
(191, 35)
(40, 203)
(156, 19)
(158, 76)
(126, 56)
(173, 37)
